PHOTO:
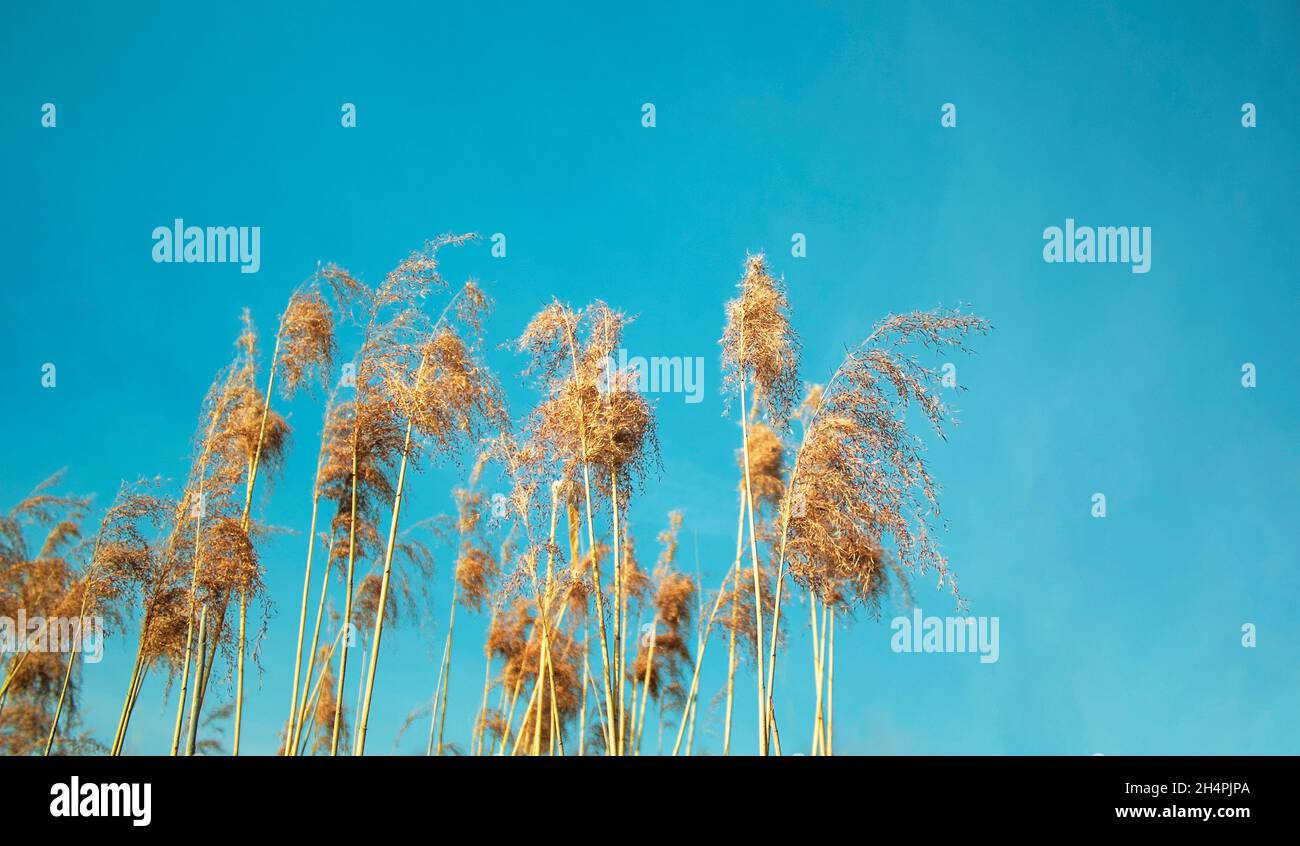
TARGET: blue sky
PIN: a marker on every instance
(1118, 635)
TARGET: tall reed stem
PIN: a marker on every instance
(63, 691)
(72, 656)
(313, 699)
(817, 673)
(189, 632)
(699, 661)
(192, 740)
(645, 689)
(510, 715)
(758, 586)
(302, 615)
(607, 722)
(347, 602)
(446, 668)
(437, 695)
(731, 667)
(315, 641)
(481, 726)
(830, 688)
(383, 585)
(15, 665)
(244, 524)
(138, 672)
(618, 608)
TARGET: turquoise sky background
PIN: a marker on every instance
(1119, 635)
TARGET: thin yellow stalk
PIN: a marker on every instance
(591, 678)
(582, 713)
(731, 668)
(383, 585)
(356, 730)
(771, 657)
(487, 685)
(628, 718)
(481, 722)
(194, 706)
(830, 689)
(17, 664)
(817, 675)
(244, 524)
(556, 736)
(135, 696)
(645, 688)
(347, 602)
(72, 656)
(607, 716)
(315, 641)
(544, 606)
(607, 721)
(699, 661)
(63, 692)
(618, 609)
(510, 716)
(189, 631)
(501, 709)
(690, 731)
(437, 694)
(132, 690)
(534, 699)
(314, 698)
(701, 638)
(302, 613)
(446, 669)
(117, 734)
(758, 586)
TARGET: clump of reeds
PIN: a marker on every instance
(850, 515)
(44, 580)
(599, 433)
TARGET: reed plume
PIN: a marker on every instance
(760, 348)
(433, 380)
(42, 582)
(304, 347)
(860, 480)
